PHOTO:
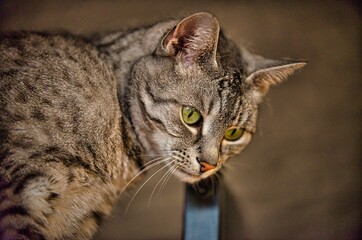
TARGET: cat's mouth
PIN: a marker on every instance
(188, 177)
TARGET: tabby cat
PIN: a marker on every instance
(81, 116)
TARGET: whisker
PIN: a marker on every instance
(142, 171)
(135, 194)
(167, 152)
(153, 190)
(168, 178)
(152, 161)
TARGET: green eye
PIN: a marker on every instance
(190, 115)
(233, 134)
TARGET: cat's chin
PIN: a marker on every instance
(189, 177)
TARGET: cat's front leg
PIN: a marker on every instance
(16, 220)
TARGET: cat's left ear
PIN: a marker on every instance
(264, 73)
(194, 39)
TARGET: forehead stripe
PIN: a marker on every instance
(158, 100)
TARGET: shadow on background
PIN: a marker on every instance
(300, 177)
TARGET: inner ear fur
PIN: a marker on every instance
(192, 39)
(263, 73)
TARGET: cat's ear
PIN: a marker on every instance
(264, 73)
(194, 39)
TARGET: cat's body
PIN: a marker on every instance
(79, 115)
(60, 124)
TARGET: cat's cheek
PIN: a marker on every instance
(161, 142)
(232, 148)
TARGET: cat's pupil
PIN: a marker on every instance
(190, 114)
(233, 132)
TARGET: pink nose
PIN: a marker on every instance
(206, 167)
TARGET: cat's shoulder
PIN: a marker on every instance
(54, 65)
(50, 52)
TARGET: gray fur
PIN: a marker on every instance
(81, 116)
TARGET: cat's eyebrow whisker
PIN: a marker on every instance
(153, 190)
(135, 194)
(159, 161)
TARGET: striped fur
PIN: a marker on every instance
(79, 115)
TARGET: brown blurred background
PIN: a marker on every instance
(301, 176)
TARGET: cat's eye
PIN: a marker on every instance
(190, 115)
(233, 134)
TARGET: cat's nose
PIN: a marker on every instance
(206, 167)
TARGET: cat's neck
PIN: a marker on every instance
(122, 50)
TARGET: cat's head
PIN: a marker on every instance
(198, 96)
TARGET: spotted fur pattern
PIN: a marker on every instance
(80, 114)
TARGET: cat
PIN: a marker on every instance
(81, 116)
